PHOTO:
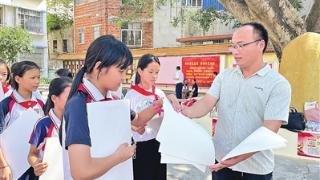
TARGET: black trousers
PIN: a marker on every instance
(29, 175)
(229, 174)
(146, 165)
(179, 90)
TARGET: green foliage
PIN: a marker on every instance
(14, 40)
(60, 14)
(134, 10)
(205, 17)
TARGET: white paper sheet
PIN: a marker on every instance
(110, 126)
(15, 142)
(261, 139)
(53, 157)
(184, 139)
(167, 159)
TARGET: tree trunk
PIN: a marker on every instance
(313, 20)
(278, 16)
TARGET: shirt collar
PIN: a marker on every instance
(56, 121)
(20, 99)
(94, 92)
(262, 72)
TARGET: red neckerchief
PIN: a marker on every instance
(5, 88)
(89, 97)
(144, 92)
(26, 104)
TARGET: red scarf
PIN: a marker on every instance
(144, 92)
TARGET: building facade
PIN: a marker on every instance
(166, 34)
(31, 16)
(59, 42)
(93, 18)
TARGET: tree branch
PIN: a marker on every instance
(239, 9)
(313, 19)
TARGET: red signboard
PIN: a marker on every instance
(201, 69)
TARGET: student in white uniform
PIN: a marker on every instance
(144, 95)
(25, 80)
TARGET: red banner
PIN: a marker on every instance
(201, 69)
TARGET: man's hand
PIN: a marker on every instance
(230, 162)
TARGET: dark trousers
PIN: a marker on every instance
(228, 174)
(29, 175)
(146, 165)
(179, 90)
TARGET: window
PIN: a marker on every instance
(30, 20)
(191, 3)
(65, 45)
(131, 34)
(96, 32)
(81, 35)
(54, 45)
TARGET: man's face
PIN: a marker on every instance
(246, 46)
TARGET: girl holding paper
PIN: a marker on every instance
(104, 68)
(25, 80)
(49, 125)
(146, 99)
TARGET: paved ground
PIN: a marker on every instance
(286, 168)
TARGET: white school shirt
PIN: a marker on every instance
(17, 109)
(139, 102)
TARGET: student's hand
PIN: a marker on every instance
(138, 129)
(174, 102)
(6, 173)
(39, 167)
(159, 102)
(125, 151)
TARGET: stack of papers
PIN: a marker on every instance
(183, 141)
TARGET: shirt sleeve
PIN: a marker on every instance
(216, 87)
(278, 104)
(38, 134)
(76, 121)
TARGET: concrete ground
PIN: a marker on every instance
(288, 166)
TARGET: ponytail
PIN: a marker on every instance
(76, 82)
(56, 87)
(137, 79)
(48, 105)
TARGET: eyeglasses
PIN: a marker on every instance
(239, 46)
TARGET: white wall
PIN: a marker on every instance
(165, 34)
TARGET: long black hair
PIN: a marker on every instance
(19, 68)
(56, 87)
(107, 50)
(8, 70)
(144, 61)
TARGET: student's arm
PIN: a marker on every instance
(201, 107)
(39, 167)
(5, 169)
(146, 115)
(83, 166)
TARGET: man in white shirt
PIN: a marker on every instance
(179, 82)
(247, 97)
